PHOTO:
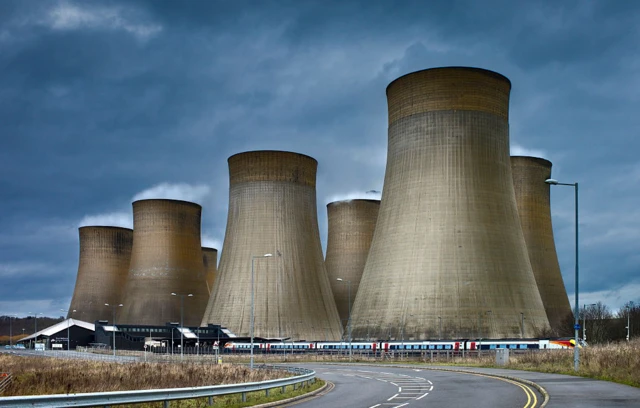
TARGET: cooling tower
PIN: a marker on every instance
(272, 210)
(534, 208)
(448, 256)
(166, 258)
(210, 261)
(351, 225)
(105, 253)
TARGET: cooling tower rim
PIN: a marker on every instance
(209, 249)
(540, 160)
(272, 151)
(167, 200)
(104, 227)
(473, 69)
(370, 200)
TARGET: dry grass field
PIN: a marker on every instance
(42, 375)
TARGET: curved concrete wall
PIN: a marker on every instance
(210, 261)
(351, 226)
(105, 253)
(166, 257)
(448, 256)
(272, 210)
(534, 208)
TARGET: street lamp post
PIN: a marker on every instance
(68, 338)
(113, 325)
(349, 315)
(584, 320)
(628, 322)
(253, 258)
(576, 327)
(11, 331)
(35, 326)
(181, 321)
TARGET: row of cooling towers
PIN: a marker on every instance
(460, 245)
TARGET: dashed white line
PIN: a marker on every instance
(392, 397)
(402, 405)
(374, 406)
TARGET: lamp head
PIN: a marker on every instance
(551, 181)
(267, 255)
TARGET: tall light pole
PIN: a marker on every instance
(68, 338)
(349, 315)
(628, 322)
(253, 258)
(181, 321)
(576, 326)
(584, 320)
(113, 324)
(35, 326)
(11, 331)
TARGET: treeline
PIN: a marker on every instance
(27, 323)
(603, 326)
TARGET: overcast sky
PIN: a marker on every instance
(105, 102)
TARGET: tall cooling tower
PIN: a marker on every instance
(105, 253)
(448, 257)
(534, 208)
(272, 210)
(166, 258)
(351, 226)
(210, 261)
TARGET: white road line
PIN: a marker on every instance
(392, 397)
(399, 389)
(429, 382)
(402, 405)
(422, 396)
(431, 388)
(391, 382)
(374, 406)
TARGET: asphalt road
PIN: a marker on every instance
(383, 386)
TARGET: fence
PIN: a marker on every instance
(106, 399)
(5, 380)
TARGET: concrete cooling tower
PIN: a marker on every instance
(105, 253)
(448, 256)
(272, 211)
(351, 226)
(210, 261)
(534, 208)
(166, 258)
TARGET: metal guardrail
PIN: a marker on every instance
(5, 380)
(107, 399)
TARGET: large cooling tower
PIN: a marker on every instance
(166, 258)
(351, 226)
(534, 208)
(448, 257)
(210, 261)
(105, 253)
(272, 210)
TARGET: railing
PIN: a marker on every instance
(5, 380)
(107, 399)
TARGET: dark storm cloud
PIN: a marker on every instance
(103, 101)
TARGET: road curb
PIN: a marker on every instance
(278, 403)
(537, 386)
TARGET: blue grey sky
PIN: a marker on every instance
(105, 102)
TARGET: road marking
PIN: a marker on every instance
(374, 406)
(399, 389)
(396, 396)
(422, 396)
(398, 406)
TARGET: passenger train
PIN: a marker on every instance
(406, 346)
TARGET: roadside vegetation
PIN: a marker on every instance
(42, 375)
